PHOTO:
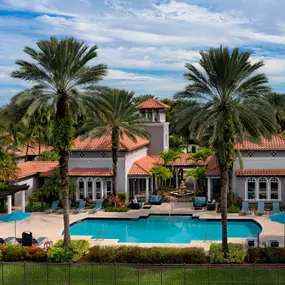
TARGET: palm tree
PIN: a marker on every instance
(230, 105)
(117, 117)
(58, 70)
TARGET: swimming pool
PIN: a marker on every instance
(163, 229)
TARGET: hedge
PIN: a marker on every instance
(266, 255)
(116, 209)
(235, 254)
(60, 253)
(152, 255)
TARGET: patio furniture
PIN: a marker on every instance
(200, 201)
(274, 243)
(135, 205)
(53, 207)
(276, 208)
(146, 206)
(97, 207)
(260, 210)
(155, 200)
(81, 207)
(35, 242)
(244, 208)
(48, 244)
(198, 207)
(250, 242)
(6, 240)
(60, 211)
(211, 205)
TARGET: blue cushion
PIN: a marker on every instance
(135, 201)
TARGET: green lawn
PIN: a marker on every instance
(40, 274)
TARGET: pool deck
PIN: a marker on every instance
(51, 225)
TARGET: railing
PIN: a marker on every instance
(130, 274)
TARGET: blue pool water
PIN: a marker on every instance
(163, 229)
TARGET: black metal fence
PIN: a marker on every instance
(130, 274)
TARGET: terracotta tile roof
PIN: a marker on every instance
(152, 104)
(182, 161)
(32, 151)
(142, 166)
(276, 143)
(260, 172)
(213, 172)
(34, 167)
(104, 143)
(91, 172)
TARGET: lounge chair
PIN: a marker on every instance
(6, 240)
(244, 208)
(80, 208)
(260, 210)
(276, 208)
(155, 200)
(97, 207)
(211, 205)
(251, 242)
(274, 243)
(200, 201)
(60, 211)
(135, 205)
(53, 207)
(35, 242)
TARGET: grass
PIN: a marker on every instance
(81, 274)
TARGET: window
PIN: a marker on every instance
(109, 187)
(250, 188)
(103, 154)
(250, 154)
(98, 188)
(81, 154)
(273, 153)
(274, 188)
(80, 188)
(262, 186)
(90, 188)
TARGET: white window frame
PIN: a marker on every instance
(109, 180)
(279, 188)
(89, 179)
(255, 188)
(266, 190)
(80, 179)
(101, 188)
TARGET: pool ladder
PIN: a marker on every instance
(171, 209)
(98, 235)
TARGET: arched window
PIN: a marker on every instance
(274, 188)
(89, 186)
(80, 193)
(250, 189)
(262, 187)
(109, 188)
(98, 188)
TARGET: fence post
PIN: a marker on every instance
(25, 277)
(232, 274)
(47, 274)
(138, 274)
(92, 273)
(254, 273)
(208, 273)
(161, 273)
(2, 272)
(69, 277)
(278, 273)
(115, 274)
(184, 273)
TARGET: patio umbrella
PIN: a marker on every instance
(279, 218)
(15, 216)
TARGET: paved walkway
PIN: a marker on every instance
(51, 225)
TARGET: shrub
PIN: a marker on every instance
(122, 196)
(37, 254)
(234, 209)
(116, 209)
(235, 254)
(60, 253)
(266, 255)
(112, 201)
(153, 255)
(11, 252)
(1, 255)
(37, 207)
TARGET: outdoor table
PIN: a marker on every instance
(48, 244)
(198, 207)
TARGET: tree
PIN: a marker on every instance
(49, 155)
(201, 155)
(141, 98)
(160, 173)
(177, 143)
(229, 105)
(170, 157)
(198, 174)
(58, 71)
(115, 115)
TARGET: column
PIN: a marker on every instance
(139, 185)
(209, 189)
(152, 116)
(9, 204)
(147, 189)
(146, 116)
(151, 184)
(102, 188)
(134, 190)
(176, 178)
(23, 194)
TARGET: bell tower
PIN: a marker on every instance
(154, 114)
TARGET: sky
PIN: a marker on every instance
(145, 43)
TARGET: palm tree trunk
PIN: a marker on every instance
(61, 115)
(230, 182)
(27, 151)
(224, 192)
(115, 152)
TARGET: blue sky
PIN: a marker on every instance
(145, 42)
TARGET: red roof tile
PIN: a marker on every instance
(213, 172)
(91, 172)
(142, 166)
(260, 172)
(34, 167)
(182, 161)
(276, 143)
(32, 151)
(152, 104)
(104, 143)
